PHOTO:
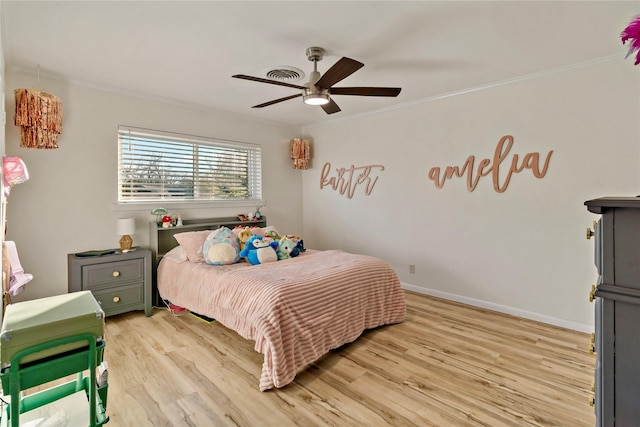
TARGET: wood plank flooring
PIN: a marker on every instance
(448, 364)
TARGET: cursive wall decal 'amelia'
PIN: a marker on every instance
(347, 180)
(486, 167)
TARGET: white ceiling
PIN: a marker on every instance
(187, 51)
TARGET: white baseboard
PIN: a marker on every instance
(501, 308)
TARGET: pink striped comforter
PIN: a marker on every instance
(296, 310)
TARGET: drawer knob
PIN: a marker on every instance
(116, 274)
(592, 294)
(116, 299)
(590, 233)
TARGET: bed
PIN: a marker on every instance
(295, 310)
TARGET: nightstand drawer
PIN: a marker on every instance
(112, 273)
(120, 299)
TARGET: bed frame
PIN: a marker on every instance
(161, 239)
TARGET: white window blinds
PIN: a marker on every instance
(163, 166)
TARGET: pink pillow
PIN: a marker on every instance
(191, 242)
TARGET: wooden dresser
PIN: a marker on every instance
(617, 310)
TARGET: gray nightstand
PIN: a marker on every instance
(120, 282)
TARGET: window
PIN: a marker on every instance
(161, 166)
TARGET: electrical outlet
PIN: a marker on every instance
(412, 268)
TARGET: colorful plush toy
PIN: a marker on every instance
(243, 236)
(298, 249)
(285, 246)
(221, 247)
(258, 250)
(298, 245)
(273, 234)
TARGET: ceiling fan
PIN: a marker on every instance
(320, 88)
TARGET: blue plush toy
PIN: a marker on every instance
(259, 251)
(298, 249)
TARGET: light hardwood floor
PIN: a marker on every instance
(447, 364)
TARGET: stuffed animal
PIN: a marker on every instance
(298, 245)
(273, 234)
(257, 250)
(285, 246)
(243, 236)
(221, 247)
(298, 249)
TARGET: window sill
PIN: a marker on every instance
(147, 206)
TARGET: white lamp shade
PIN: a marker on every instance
(126, 226)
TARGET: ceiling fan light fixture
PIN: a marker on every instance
(316, 98)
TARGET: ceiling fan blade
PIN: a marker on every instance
(338, 71)
(273, 82)
(275, 101)
(331, 107)
(366, 91)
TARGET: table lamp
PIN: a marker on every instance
(125, 227)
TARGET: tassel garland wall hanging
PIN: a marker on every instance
(300, 153)
(39, 116)
(631, 34)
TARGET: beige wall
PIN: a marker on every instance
(68, 204)
(522, 251)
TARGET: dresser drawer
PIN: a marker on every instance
(120, 299)
(112, 273)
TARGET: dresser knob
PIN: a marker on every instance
(116, 299)
(116, 274)
(592, 294)
(590, 233)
